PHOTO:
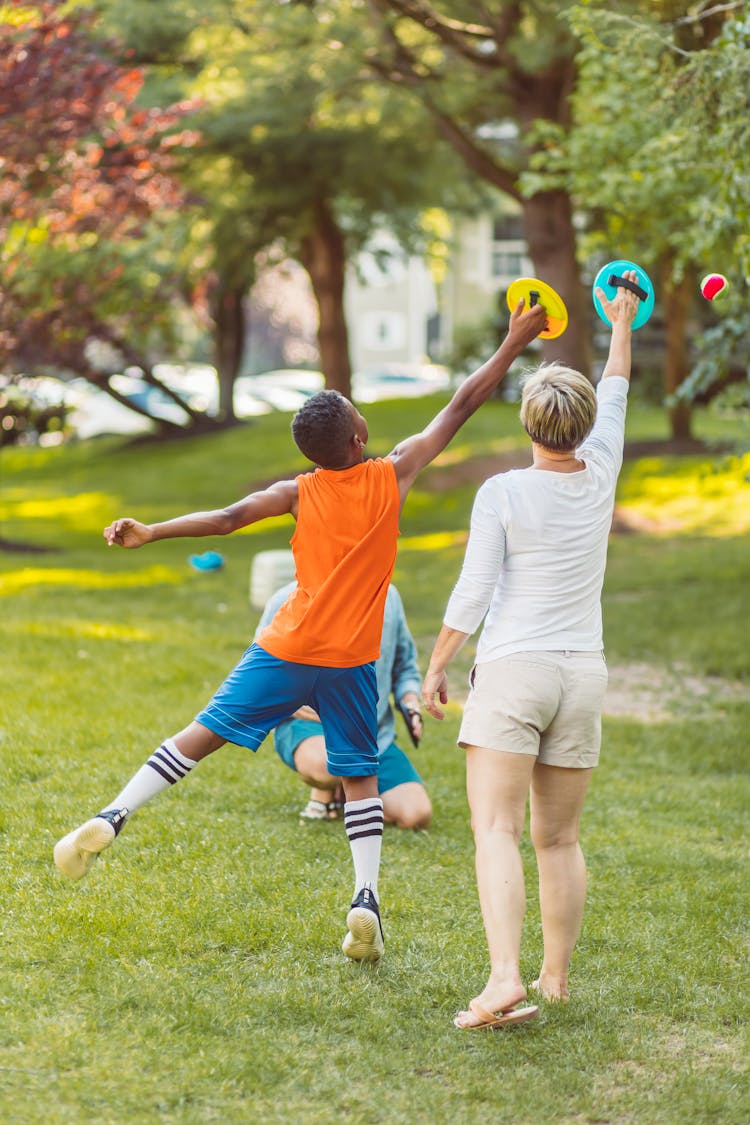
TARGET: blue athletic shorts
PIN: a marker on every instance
(262, 690)
(394, 767)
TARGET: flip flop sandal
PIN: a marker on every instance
(321, 810)
(496, 1019)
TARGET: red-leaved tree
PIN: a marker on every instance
(89, 204)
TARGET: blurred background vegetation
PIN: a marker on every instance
(167, 168)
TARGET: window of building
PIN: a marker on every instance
(383, 330)
(506, 262)
(507, 228)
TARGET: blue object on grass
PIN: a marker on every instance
(209, 560)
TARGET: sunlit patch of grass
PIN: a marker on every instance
(436, 541)
(97, 630)
(697, 497)
(458, 452)
(17, 580)
(270, 524)
(82, 511)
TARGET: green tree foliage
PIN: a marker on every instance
(89, 245)
(635, 111)
(668, 125)
(495, 77)
(303, 154)
(658, 158)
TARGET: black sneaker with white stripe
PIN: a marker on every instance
(365, 941)
(75, 853)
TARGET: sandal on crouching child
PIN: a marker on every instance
(321, 810)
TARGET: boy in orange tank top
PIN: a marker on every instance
(321, 647)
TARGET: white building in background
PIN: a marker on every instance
(489, 252)
(391, 306)
(397, 317)
(395, 314)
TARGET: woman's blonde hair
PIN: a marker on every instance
(558, 406)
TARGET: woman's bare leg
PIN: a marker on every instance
(497, 785)
(557, 796)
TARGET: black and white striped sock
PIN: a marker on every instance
(364, 827)
(165, 767)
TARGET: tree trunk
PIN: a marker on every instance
(229, 343)
(323, 254)
(677, 300)
(548, 215)
(551, 239)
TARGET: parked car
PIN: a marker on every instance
(284, 389)
(196, 383)
(147, 397)
(94, 413)
(288, 388)
(32, 409)
(408, 380)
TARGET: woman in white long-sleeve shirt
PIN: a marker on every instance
(533, 570)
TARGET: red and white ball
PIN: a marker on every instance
(713, 285)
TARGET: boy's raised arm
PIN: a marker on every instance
(277, 500)
(411, 455)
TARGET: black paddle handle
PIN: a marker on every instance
(623, 282)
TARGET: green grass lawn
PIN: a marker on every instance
(196, 975)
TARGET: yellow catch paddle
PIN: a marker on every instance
(535, 292)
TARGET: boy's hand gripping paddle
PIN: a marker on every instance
(535, 292)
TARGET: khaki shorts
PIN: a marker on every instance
(548, 704)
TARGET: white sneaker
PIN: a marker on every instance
(75, 854)
(364, 942)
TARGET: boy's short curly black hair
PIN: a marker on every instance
(322, 429)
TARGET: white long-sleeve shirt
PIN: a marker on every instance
(537, 548)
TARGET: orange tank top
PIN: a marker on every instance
(344, 549)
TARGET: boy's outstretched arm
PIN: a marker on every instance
(411, 455)
(277, 500)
